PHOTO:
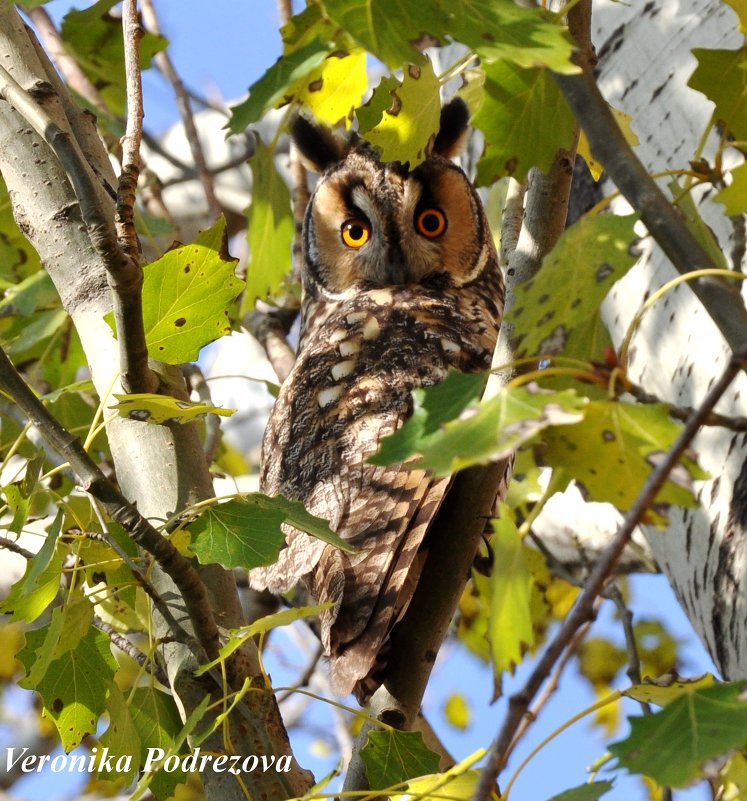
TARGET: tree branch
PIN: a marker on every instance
(123, 272)
(93, 481)
(720, 298)
(583, 608)
(166, 66)
(131, 650)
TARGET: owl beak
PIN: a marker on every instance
(395, 267)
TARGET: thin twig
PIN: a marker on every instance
(582, 610)
(93, 481)
(124, 274)
(14, 547)
(132, 33)
(131, 650)
(304, 679)
(166, 66)
(550, 687)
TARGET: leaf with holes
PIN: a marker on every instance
(161, 409)
(673, 745)
(335, 87)
(75, 686)
(611, 452)
(497, 427)
(525, 119)
(401, 118)
(587, 259)
(186, 297)
(392, 757)
(247, 533)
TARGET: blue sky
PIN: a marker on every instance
(222, 47)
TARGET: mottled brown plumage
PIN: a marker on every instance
(421, 295)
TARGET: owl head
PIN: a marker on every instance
(371, 224)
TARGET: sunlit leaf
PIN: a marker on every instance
(335, 87)
(271, 229)
(161, 409)
(186, 296)
(525, 119)
(498, 426)
(247, 533)
(400, 119)
(121, 737)
(587, 259)
(394, 756)
(510, 625)
(671, 746)
(611, 452)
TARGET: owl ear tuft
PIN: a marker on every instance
(318, 146)
(453, 129)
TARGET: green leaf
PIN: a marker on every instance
(122, 737)
(93, 37)
(156, 719)
(588, 258)
(32, 294)
(278, 83)
(75, 686)
(161, 409)
(335, 87)
(247, 533)
(672, 746)
(721, 76)
(400, 119)
(498, 426)
(613, 449)
(500, 30)
(18, 259)
(734, 196)
(510, 624)
(261, 626)
(525, 119)
(740, 7)
(271, 229)
(69, 624)
(431, 409)
(392, 757)
(34, 592)
(584, 792)
(186, 295)
(18, 495)
(394, 31)
(459, 783)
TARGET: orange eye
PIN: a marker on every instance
(355, 233)
(431, 223)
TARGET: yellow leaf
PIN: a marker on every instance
(457, 711)
(665, 689)
(11, 641)
(335, 87)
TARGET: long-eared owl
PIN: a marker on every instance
(401, 284)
